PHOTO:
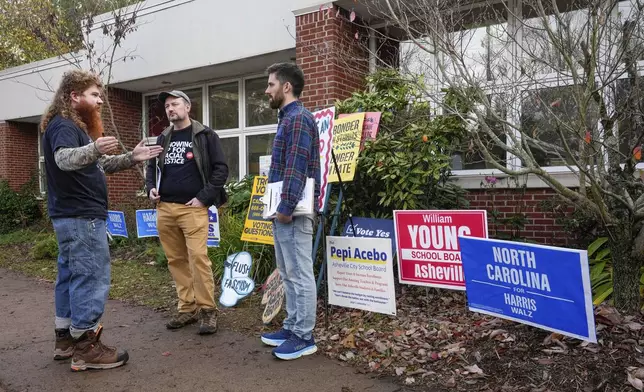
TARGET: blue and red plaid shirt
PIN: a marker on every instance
(296, 155)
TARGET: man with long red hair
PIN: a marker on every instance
(76, 160)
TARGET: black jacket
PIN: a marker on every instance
(210, 160)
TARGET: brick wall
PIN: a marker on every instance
(127, 109)
(18, 152)
(540, 227)
(334, 62)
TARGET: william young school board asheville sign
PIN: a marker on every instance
(428, 248)
(538, 285)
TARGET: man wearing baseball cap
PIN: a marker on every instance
(186, 179)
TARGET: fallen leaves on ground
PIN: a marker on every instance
(434, 342)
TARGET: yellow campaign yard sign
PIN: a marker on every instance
(256, 228)
(347, 133)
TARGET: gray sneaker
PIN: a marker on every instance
(182, 319)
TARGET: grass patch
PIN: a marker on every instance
(25, 236)
(142, 284)
(43, 269)
(139, 275)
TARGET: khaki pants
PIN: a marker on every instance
(183, 232)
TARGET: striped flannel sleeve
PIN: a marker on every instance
(297, 160)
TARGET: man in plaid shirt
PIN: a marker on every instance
(296, 157)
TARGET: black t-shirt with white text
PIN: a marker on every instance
(180, 180)
(78, 193)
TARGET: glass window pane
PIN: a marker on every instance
(256, 146)
(43, 176)
(230, 145)
(628, 132)
(157, 120)
(224, 106)
(482, 51)
(471, 157)
(196, 103)
(258, 112)
(549, 113)
(544, 54)
(629, 11)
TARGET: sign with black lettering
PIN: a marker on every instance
(256, 228)
(347, 133)
(236, 283)
(273, 297)
(361, 274)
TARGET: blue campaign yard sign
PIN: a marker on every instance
(542, 286)
(213, 227)
(116, 224)
(146, 223)
(371, 227)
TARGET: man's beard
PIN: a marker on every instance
(276, 102)
(91, 116)
(176, 118)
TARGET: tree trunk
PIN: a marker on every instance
(626, 270)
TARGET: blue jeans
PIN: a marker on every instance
(83, 281)
(293, 249)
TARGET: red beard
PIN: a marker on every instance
(91, 116)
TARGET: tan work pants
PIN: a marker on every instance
(183, 232)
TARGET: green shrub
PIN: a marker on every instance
(601, 271)
(408, 164)
(18, 209)
(239, 195)
(45, 248)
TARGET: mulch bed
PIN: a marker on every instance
(435, 343)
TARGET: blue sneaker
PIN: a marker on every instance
(276, 338)
(295, 347)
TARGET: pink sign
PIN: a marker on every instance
(369, 127)
(324, 120)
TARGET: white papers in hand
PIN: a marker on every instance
(273, 197)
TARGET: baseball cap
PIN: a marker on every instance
(174, 93)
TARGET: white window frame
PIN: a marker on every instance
(41, 166)
(471, 178)
(242, 132)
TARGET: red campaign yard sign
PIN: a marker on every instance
(428, 250)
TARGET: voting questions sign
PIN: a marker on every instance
(542, 286)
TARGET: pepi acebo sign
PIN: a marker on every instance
(361, 273)
(428, 250)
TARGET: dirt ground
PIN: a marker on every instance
(160, 360)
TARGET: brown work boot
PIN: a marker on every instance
(182, 319)
(208, 321)
(64, 345)
(91, 353)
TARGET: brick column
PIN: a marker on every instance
(18, 152)
(127, 110)
(334, 61)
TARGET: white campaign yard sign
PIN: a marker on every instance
(361, 274)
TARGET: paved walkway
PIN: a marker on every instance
(226, 362)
